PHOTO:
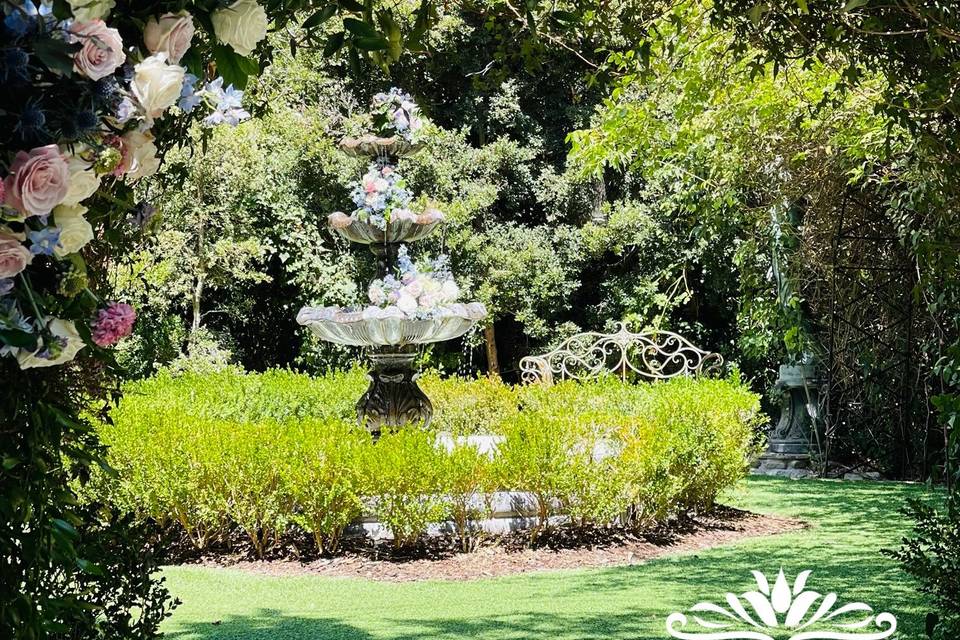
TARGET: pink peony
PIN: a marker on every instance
(38, 181)
(14, 257)
(113, 323)
(101, 51)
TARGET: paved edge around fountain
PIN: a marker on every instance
(725, 527)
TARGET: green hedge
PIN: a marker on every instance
(270, 452)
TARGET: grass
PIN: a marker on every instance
(851, 523)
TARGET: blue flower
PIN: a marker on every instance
(107, 88)
(19, 23)
(228, 104)
(189, 99)
(404, 261)
(13, 66)
(32, 120)
(86, 120)
(6, 286)
(12, 318)
(44, 241)
(230, 99)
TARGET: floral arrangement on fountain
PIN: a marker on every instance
(396, 124)
(381, 198)
(396, 114)
(421, 290)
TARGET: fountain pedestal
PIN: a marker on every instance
(393, 398)
(788, 446)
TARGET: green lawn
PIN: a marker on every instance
(851, 522)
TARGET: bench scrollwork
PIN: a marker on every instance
(656, 355)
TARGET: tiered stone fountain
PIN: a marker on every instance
(411, 304)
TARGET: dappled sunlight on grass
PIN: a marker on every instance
(850, 523)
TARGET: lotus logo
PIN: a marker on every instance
(807, 615)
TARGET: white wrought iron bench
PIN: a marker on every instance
(656, 355)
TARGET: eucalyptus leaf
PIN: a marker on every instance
(320, 17)
(360, 28)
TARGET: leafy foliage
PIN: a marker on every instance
(932, 556)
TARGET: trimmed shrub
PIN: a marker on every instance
(932, 556)
(404, 470)
(267, 452)
(467, 478)
(325, 474)
(466, 406)
(533, 458)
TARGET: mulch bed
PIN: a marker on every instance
(438, 558)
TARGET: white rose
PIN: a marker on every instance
(75, 231)
(170, 34)
(66, 331)
(407, 304)
(431, 286)
(242, 25)
(429, 300)
(142, 155)
(156, 84)
(450, 290)
(86, 10)
(84, 181)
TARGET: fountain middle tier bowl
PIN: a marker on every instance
(376, 327)
(396, 230)
(379, 147)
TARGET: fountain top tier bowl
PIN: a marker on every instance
(381, 327)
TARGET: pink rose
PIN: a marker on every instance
(14, 257)
(38, 181)
(102, 50)
(122, 145)
(170, 34)
(113, 323)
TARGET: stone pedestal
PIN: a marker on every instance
(393, 398)
(788, 446)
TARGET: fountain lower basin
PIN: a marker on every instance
(389, 327)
